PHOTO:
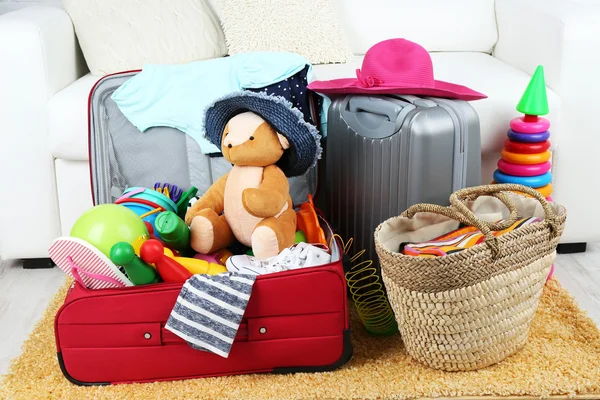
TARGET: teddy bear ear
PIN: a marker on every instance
(284, 142)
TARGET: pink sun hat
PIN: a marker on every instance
(396, 66)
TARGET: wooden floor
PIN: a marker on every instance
(25, 293)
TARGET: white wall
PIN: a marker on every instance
(10, 5)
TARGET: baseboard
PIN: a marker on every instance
(37, 263)
(569, 248)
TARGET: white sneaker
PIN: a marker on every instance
(300, 255)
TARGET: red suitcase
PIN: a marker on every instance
(295, 321)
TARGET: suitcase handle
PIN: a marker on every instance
(361, 113)
(376, 106)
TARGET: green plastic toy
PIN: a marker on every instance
(138, 272)
(173, 231)
(104, 225)
(534, 101)
(300, 237)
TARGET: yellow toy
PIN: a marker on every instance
(193, 265)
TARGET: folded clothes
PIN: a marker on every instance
(177, 95)
(458, 240)
(209, 310)
(300, 255)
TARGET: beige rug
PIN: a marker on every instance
(562, 358)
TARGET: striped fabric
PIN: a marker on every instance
(457, 240)
(209, 310)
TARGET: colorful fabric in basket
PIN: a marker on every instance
(209, 310)
(459, 239)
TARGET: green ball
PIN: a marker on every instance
(106, 224)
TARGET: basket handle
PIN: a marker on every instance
(459, 211)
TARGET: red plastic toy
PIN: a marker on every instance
(153, 252)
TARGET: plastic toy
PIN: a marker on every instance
(300, 237)
(308, 223)
(528, 137)
(531, 181)
(152, 252)
(104, 225)
(173, 231)
(519, 124)
(218, 257)
(171, 191)
(526, 154)
(196, 265)
(138, 272)
(152, 196)
(528, 158)
(184, 201)
(524, 169)
(526, 148)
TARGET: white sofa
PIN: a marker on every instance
(491, 46)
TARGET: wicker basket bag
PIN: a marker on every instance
(473, 308)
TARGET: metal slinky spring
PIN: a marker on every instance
(368, 295)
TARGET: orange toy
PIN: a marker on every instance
(308, 223)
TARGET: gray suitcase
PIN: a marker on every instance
(386, 153)
(121, 156)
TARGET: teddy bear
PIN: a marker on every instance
(267, 141)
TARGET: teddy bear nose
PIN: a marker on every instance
(230, 145)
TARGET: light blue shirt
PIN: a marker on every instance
(177, 95)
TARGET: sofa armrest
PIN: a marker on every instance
(42, 47)
(40, 56)
(564, 37)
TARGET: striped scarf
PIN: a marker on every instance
(209, 310)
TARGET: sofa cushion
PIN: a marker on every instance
(502, 83)
(437, 25)
(311, 28)
(120, 35)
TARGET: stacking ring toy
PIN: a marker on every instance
(516, 158)
(528, 137)
(531, 181)
(528, 148)
(524, 169)
(519, 125)
(545, 191)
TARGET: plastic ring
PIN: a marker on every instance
(526, 148)
(524, 169)
(516, 158)
(535, 182)
(139, 201)
(528, 137)
(545, 191)
(519, 125)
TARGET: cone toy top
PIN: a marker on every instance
(534, 101)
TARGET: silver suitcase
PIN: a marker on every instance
(386, 153)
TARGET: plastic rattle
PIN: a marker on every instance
(138, 272)
(153, 252)
(173, 231)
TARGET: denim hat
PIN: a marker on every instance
(305, 146)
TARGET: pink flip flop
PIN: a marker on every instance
(86, 264)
